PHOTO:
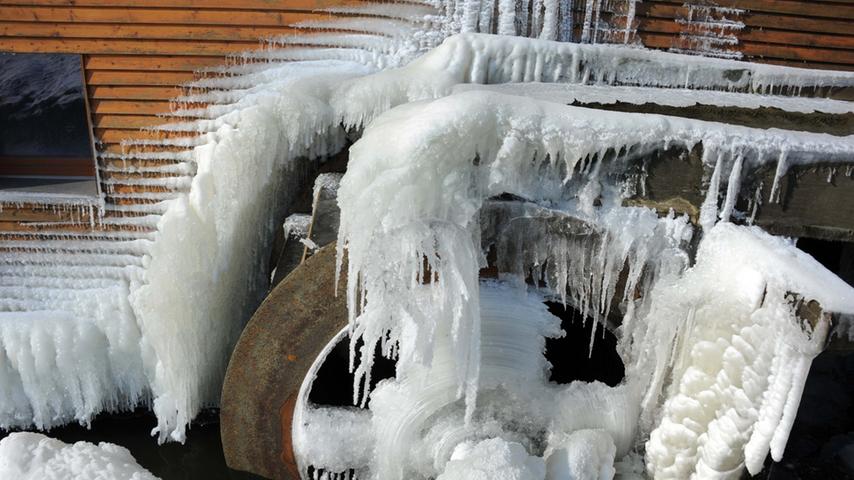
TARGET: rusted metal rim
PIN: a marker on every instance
(275, 352)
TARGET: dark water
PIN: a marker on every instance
(200, 457)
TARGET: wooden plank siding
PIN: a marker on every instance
(138, 53)
(799, 33)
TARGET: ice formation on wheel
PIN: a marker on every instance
(151, 318)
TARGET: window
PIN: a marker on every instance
(46, 142)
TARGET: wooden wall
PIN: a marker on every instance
(136, 53)
(800, 33)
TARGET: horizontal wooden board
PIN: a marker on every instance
(156, 16)
(119, 149)
(150, 62)
(754, 50)
(292, 5)
(782, 37)
(149, 32)
(753, 19)
(116, 135)
(133, 93)
(128, 121)
(123, 107)
(159, 78)
(787, 7)
(129, 47)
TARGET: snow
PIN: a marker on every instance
(581, 455)
(33, 456)
(675, 97)
(493, 459)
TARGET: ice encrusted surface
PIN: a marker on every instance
(412, 231)
(674, 97)
(148, 304)
(33, 456)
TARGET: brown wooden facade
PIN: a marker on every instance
(137, 54)
(799, 33)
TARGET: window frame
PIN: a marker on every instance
(45, 167)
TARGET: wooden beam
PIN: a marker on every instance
(141, 31)
(810, 206)
(157, 16)
(133, 93)
(117, 46)
(157, 78)
(284, 5)
(129, 107)
(184, 63)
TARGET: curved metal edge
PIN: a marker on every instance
(275, 352)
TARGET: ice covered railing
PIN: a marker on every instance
(411, 228)
(490, 59)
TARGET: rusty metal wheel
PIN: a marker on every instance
(276, 351)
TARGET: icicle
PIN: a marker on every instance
(733, 187)
(630, 20)
(471, 15)
(487, 10)
(506, 17)
(537, 18)
(709, 209)
(550, 21)
(566, 23)
(782, 168)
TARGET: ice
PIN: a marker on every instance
(33, 456)
(711, 31)
(414, 219)
(674, 97)
(581, 455)
(743, 355)
(493, 459)
(159, 316)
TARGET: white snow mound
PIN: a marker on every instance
(33, 456)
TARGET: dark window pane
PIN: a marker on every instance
(43, 124)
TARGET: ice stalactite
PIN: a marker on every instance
(710, 30)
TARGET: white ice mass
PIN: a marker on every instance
(150, 318)
(33, 456)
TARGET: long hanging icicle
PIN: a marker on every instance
(550, 21)
(566, 21)
(588, 21)
(506, 17)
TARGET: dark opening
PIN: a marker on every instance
(45, 136)
(838, 257)
(570, 356)
(333, 385)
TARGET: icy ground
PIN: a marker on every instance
(33, 456)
